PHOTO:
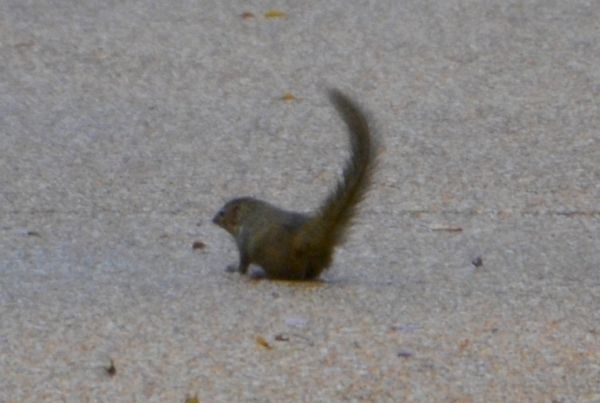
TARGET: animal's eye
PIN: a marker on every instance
(221, 212)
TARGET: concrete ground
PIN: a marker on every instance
(473, 274)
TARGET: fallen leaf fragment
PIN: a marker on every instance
(260, 340)
(111, 370)
(404, 354)
(192, 399)
(198, 245)
(406, 328)
(282, 337)
(443, 227)
(275, 14)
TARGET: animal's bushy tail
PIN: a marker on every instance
(329, 225)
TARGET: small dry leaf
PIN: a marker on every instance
(555, 324)
(505, 213)
(192, 399)
(442, 227)
(275, 14)
(198, 245)
(404, 354)
(247, 15)
(282, 337)
(260, 340)
(464, 344)
(288, 97)
(111, 370)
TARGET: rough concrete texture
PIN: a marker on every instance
(124, 126)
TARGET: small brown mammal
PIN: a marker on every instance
(295, 246)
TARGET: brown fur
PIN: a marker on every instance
(295, 246)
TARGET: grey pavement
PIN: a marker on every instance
(473, 274)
